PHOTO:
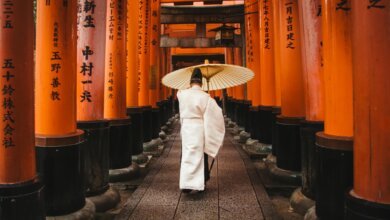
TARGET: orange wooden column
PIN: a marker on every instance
(132, 82)
(277, 48)
(17, 151)
(267, 72)
(57, 138)
(143, 51)
(115, 109)
(237, 60)
(144, 67)
(229, 59)
(370, 197)
(288, 147)
(91, 61)
(293, 103)
(91, 48)
(310, 20)
(335, 143)
(132, 85)
(252, 49)
(154, 47)
(252, 62)
(115, 71)
(163, 72)
(154, 65)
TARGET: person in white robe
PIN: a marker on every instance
(202, 131)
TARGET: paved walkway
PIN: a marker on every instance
(234, 191)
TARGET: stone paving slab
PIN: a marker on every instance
(234, 191)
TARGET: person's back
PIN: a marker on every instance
(192, 102)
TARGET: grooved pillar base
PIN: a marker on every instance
(22, 201)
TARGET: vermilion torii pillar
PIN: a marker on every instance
(310, 20)
(154, 70)
(335, 143)
(370, 197)
(90, 99)
(267, 72)
(154, 48)
(57, 139)
(20, 189)
(144, 67)
(238, 90)
(275, 40)
(288, 144)
(229, 59)
(115, 110)
(252, 62)
(132, 81)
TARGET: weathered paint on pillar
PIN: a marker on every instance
(267, 70)
(229, 59)
(293, 102)
(91, 60)
(154, 45)
(238, 90)
(276, 44)
(55, 69)
(253, 49)
(143, 52)
(17, 150)
(115, 74)
(336, 30)
(310, 20)
(371, 82)
(132, 54)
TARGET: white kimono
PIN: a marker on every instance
(202, 131)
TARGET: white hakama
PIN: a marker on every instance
(202, 131)
(192, 159)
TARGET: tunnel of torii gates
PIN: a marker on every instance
(318, 96)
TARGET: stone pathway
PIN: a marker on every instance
(234, 191)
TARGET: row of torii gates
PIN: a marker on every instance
(318, 96)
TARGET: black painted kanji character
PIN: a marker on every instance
(89, 6)
(8, 76)
(289, 20)
(55, 67)
(55, 95)
(8, 117)
(55, 82)
(86, 96)
(8, 142)
(343, 5)
(8, 130)
(55, 55)
(290, 36)
(8, 24)
(374, 4)
(87, 52)
(290, 45)
(86, 82)
(8, 103)
(86, 69)
(89, 21)
(8, 90)
(8, 64)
